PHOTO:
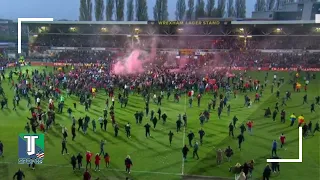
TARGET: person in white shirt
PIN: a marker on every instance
(161, 94)
(112, 99)
(192, 93)
(155, 98)
(242, 176)
(38, 101)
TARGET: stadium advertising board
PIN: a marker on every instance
(200, 52)
(170, 51)
(186, 51)
(198, 22)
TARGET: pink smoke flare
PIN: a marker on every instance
(129, 65)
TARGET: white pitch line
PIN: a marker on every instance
(107, 169)
(184, 133)
(300, 144)
(202, 176)
(183, 143)
(120, 170)
(291, 160)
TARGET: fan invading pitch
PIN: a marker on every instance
(162, 106)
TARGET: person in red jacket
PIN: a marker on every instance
(42, 126)
(249, 125)
(189, 94)
(107, 159)
(34, 115)
(97, 162)
(88, 159)
(128, 164)
(282, 139)
(86, 175)
(257, 97)
(51, 106)
(305, 88)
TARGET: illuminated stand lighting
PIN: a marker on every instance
(73, 29)
(134, 35)
(43, 29)
(245, 37)
(132, 38)
(104, 30)
(278, 30)
(137, 30)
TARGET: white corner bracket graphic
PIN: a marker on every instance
(317, 18)
(20, 20)
(291, 160)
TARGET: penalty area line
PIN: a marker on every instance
(291, 160)
(183, 141)
(184, 133)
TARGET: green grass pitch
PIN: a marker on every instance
(153, 158)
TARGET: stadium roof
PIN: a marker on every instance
(275, 22)
(88, 22)
(239, 21)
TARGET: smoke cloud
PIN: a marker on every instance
(136, 61)
(129, 65)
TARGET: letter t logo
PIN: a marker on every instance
(31, 144)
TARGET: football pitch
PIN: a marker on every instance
(153, 158)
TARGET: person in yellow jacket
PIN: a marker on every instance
(300, 120)
(94, 92)
(293, 118)
(298, 87)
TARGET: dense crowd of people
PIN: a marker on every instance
(193, 79)
(223, 51)
(85, 82)
(234, 58)
(182, 42)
